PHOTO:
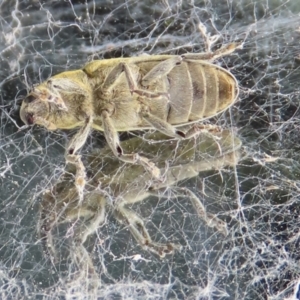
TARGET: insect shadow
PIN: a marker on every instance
(114, 184)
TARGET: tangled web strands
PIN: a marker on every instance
(257, 198)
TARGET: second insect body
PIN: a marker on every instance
(162, 92)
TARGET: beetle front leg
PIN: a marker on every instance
(66, 85)
(112, 138)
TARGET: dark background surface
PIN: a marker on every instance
(259, 199)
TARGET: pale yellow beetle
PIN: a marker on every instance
(164, 92)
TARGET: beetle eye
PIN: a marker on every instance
(29, 119)
(29, 99)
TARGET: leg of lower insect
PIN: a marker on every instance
(140, 233)
(207, 129)
(84, 263)
(80, 174)
(174, 174)
(210, 219)
(47, 244)
(46, 224)
(94, 223)
(113, 141)
(52, 214)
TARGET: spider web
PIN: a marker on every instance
(258, 198)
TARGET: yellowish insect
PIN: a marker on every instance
(165, 92)
(115, 184)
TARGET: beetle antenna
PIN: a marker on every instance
(28, 82)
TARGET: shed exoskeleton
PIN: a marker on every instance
(164, 92)
(114, 184)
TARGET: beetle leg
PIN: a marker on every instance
(226, 50)
(80, 137)
(161, 125)
(112, 138)
(145, 93)
(46, 224)
(51, 212)
(65, 85)
(112, 77)
(114, 74)
(55, 97)
(160, 70)
(140, 233)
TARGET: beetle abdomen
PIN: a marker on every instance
(181, 94)
(199, 90)
(214, 89)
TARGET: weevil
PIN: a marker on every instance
(165, 92)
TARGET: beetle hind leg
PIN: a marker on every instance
(161, 125)
(211, 56)
(161, 69)
(209, 41)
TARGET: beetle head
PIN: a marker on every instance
(35, 107)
